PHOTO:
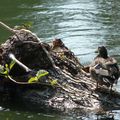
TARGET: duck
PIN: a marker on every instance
(104, 69)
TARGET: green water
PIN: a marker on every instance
(83, 25)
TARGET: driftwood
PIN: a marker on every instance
(72, 89)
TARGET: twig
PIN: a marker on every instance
(7, 27)
(11, 56)
(26, 83)
(22, 83)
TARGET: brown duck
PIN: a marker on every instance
(104, 69)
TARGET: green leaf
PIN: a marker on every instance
(33, 79)
(7, 69)
(53, 82)
(41, 73)
(6, 65)
(5, 73)
(12, 64)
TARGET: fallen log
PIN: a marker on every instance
(64, 88)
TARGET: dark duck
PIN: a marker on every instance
(104, 69)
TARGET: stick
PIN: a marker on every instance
(7, 27)
(11, 56)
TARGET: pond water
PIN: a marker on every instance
(83, 25)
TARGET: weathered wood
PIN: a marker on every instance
(73, 88)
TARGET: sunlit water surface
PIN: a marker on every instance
(83, 25)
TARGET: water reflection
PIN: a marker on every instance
(108, 16)
(81, 115)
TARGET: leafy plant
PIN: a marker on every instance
(26, 25)
(4, 70)
(39, 74)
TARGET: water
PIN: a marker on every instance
(83, 25)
